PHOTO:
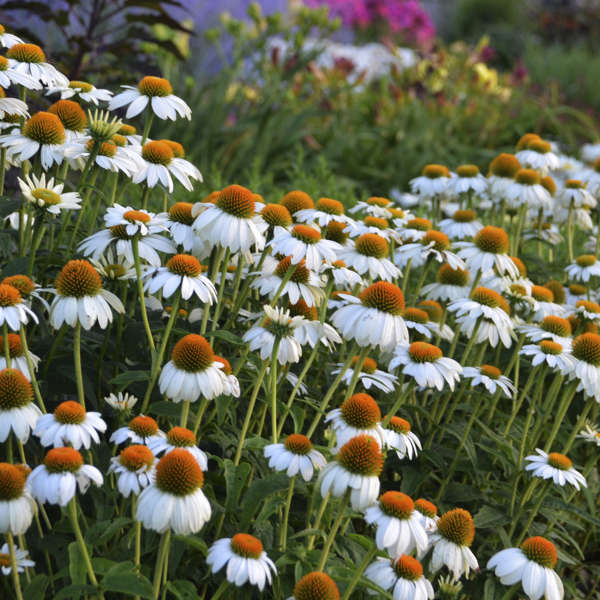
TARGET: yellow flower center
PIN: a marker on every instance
(136, 457)
(335, 232)
(106, 148)
(297, 200)
(157, 153)
(467, 171)
(433, 309)
(541, 294)
(26, 53)
(9, 295)
(81, 85)
(541, 551)
(527, 177)
(330, 206)
(539, 146)
(276, 214)
(440, 240)
(526, 139)
(590, 307)
(246, 545)
(298, 444)
(78, 278)
(70, 413)
(492, 239)
(383, 296)
(236, 200)
(15, 347)
(505, 165)
(407, 567)
(45, 196)
(399, 425)
(301, 273)
(306, 234)
(491, 371)
(556, 325)
(396, 504)
(378, 201)
(23, 283)
(143, 426)
(378, 222)
(435, 171)
(577, 289)
(127, 130)
(419, 224)
(586, 260)
(178, 473)
(446, 275)
(71, 115)
(61, 460)
(45, 128)
(192, 353)
(119, 232)
(176, 147)
(185, 265)
(316, 586)
(416, 315)
(12, 482)
(368, 366)
(586, 347)
(422, 352)
(361, 411)
(181, 212)
(457, 526)
(429, 509)
(573, 184)
(463, 216)
(550, 347)
(301, 309)
(119, 140)
(371, 244)
(549, 185)
(362, 456)
(487, 297)
(155, 86)
(181, 437)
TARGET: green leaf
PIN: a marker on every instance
(235, 480)
(9, 205)
(36, 588)
(183, 590)
(77, 568)
(121, 578)
(227, 336)
(124, 379)
(75, 591)
(164, 409)
(193, 542)
(487, 517)
(258, 492)
(102, 531)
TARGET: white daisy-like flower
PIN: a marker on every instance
(552, 327)
(463, 224)
(325, 210)
(375, 206)
(374, 318)
(121, 401)
(304, 242)
(586, 310)
(428, 512)
(244, 559)
(18, 360)
(113, 267)
(491, 379)
(134, 468)
(450, 284)
(46, 195)
(377, 225)
(303, 284)
(70, 424)
(81, 299)
(12, 107)
(55, 481)
(369, 255)
(533, 565)
(488, 249)
(109, 156)
(356, 469)
(544, 304)
(30, 59)
(43, 134)
(342, 276)
(179, 222)
(17, 507)
(427, 365)
(83, 90)
(451, 542)
(434, 181)
(156, 92)
(399, 437)
(11, 76)
(468, 180)
(590, 152)
(358, 415)
(590, 433)
(192, 371)
(182, 273)
(140, 430)
(369, 376)
(538, 155)
(179, 437)
(13, 310)
(398, 524)
(402, 577)
(18, 413)
(295, 455)
(278, 325)
(550, 353)
(175, 500)
(554, 466)
(311, 331)
(527, 190)
(7, 40)
(574, 195)
(231, 382)
(21, 556)
(231, 221)
(415, 229)
(487, 310)
(584, 267)
(433, 245)
(586, 350)
(157, 162)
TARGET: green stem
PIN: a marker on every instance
(405, 277)
(140, 287)
(288, 275)
(357, 369)
(570, 232)
(185, 411)
(534, 401)
(521, 398)
(6, 344)
(286, 515)
(221, 590)
(147, 124)
(200, 414)
(399, 401)
(334, 529)
(13, 564)
(580, 422)
(317, 525)
(569, 394)
(273, 389)
(219, 305)
(2, 169)
(358, 574)
(534, 512)
(77, 361)
(421, 280)
(37, 238)
(163, 553)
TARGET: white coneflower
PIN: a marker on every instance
(399, 437)
(18, 413)
(369, 375)
(279, 325)
(175, 500)
(113, 267)
(70, 424)
(550, 353)
(30, 59)
(192, 371)
(428, 512)
(502, 173)
(295, 455)
(574, 194)
(554, 466)
(179, 223)
(231, 221)
(374, 318)
(134, 468)
(140, 430)
(468, 180)
(154, 91)
(398, 524)
(342, 276)
(304, 284)
(491, 379)
(584, 267)
(552, 328)
(11, 76)
(538, 155)
(451, 542)
(427, 365)
(369, 255)
(80, 298)
(18, 360)
(325, 210)
(356, 468)
(311, 331)
(22, 559)
(487, 310)
(527, 190)
(83, 90)
(433, 245)
(533, 565)
(43, 134)
(245, 559)
(121, 401)
(315, 586)
(377, 225)
(8, 39)
(450, 284)
(415, 229)
(402, 577)
(435, 319)
(55, 481)
(13, 310)
(358, 415)
(586, 350)
(434, 181)
(544, 303)
(108, 156)
(179, 437)
(590, 433)
(376, 206)
(463, 224)
(48, 196)
(17, 507)
(73, 118)
(488, 249)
